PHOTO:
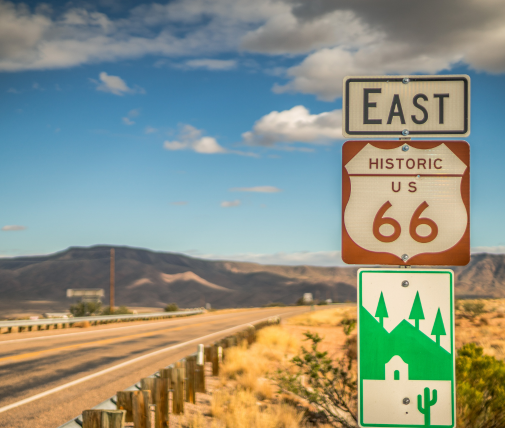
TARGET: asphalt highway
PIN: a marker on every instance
(34, 364)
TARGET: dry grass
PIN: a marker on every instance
(324, 318)
(247, 397)
(249, 366)
(240, 409)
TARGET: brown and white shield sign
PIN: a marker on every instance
(406, 203)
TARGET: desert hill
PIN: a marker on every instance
(149, 278)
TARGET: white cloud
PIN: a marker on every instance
(212, 64)
(229, 204)
(42, 40)
(295, 125)
(258, 189)
(311, 258)
(382, 37)
(13, 227)
(150, 130)
(132, 113)
(335, 37)
(115, 85)
(191, 138)
(322, 72)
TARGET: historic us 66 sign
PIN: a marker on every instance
(406, 202)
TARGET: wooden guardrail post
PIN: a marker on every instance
(214, 357)
(159, 394)
(200, 370)
(96, 418)
(124, 402)
(161, 401)
(178, 377)
(231, 341)
(251, 338)
(141, 409)
(208, 353)
(190, 379)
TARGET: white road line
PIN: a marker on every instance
(126, 363)
(105, 330)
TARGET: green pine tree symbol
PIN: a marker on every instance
(417, 311)
(381, 311)
(438, 327)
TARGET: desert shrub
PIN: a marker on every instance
(473, 308)
(329, 385)
(480, 389)
(274, 304)
(171, 307)
(483, 321)
(301, 302)
(121, 310)
(349, 324)
(85, 309)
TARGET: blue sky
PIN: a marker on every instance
(214, 128)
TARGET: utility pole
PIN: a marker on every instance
(111, 302)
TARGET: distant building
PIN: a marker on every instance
(307, 298)
(329, 301)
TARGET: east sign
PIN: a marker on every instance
(406, 202)
(416, 106)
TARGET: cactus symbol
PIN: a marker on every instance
(426, 410)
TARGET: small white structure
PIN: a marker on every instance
(396, 369)
(86, 294)
(57, 315)
(383, 400)
(307, 298)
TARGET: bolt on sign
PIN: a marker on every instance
(406, 202)
(406, 348)
(418, 106)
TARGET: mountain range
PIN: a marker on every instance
(149, 278)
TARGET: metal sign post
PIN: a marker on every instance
(406, 203)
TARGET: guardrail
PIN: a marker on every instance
(32, 325)
(178, 388)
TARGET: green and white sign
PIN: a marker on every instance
(406, 348)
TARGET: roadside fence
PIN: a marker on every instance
(151, 401)
(57, 323)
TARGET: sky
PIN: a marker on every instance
(213, 127)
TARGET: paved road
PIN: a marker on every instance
(34, 363)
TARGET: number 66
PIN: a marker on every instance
(415, 221)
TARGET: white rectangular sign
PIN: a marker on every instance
(421, 106)
(406, 350)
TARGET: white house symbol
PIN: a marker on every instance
(383, 399)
